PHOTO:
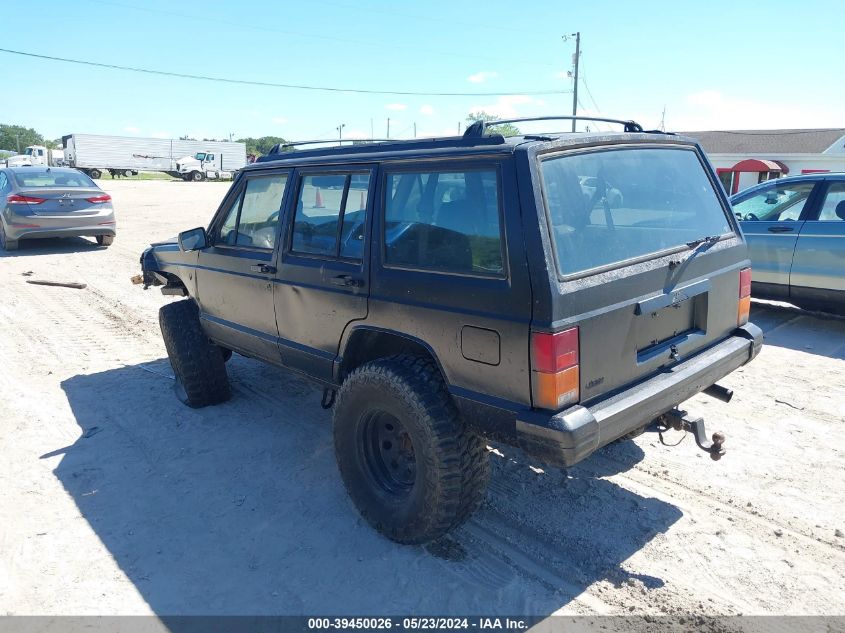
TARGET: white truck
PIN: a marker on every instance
(37, 155)
(124, 155)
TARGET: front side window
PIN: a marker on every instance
(833, 207)
(778, 203)
(330, 215)
(252, 220)
(445, 221)
(609, 206)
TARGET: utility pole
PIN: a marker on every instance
(340, 131)
(415, 129)
(372, 134)
(576, 58)
(388, 127)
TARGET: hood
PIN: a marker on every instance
(19, 161)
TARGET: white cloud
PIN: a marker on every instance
(163, 135)
(505, 106)
(131, 129)
(396, 106)
(713, 110)
(482, 76)
(427, 110)
(279, 120)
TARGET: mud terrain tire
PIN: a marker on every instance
(198, 364)
(410, 465)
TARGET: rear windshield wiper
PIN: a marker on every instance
(710, 239)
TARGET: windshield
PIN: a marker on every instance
(45, 178)
(609, 206)
(29, 151)
(200, 156)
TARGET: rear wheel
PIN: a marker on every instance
(197, 363)
(5, 242)
(127, 173)
(95, 173)
(196, 176)
(105, 240)
(408, 462)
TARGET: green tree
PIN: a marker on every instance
(506, 129)
(261, 146)
(17, 137)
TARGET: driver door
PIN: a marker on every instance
(235, 272)
(771, 219)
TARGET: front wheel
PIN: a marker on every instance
(95, 173)
(408, 462)
(197, 176)
(198, 364)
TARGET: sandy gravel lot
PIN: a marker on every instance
(116, 499)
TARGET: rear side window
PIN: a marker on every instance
(330, 215)
(609, 206)
(446, 221)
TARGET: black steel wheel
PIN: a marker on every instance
(411, 466)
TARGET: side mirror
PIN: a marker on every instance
(193, 240)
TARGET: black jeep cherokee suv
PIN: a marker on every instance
(554, 292)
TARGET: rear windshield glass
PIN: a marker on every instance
(614, 205)
(44, 178)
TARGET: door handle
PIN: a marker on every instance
(345, 280)
(263, 268)
(780, 229)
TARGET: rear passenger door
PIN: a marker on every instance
(323, 279)
(817, 269)
(235, 272)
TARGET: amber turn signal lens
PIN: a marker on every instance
(555, 391)
(743, 311)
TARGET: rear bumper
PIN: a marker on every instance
(568, 437)
(90, 231)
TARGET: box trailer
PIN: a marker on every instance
(95, 154)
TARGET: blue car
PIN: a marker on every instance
(795, 228)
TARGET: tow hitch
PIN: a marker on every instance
(678, 420)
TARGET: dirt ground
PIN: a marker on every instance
(117, 499)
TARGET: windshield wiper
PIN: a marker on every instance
(710, 239)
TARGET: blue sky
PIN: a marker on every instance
(712, 65)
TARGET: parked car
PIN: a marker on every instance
(795, 228)
(467, 291)
(52, 202)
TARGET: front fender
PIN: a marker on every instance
(164, 264)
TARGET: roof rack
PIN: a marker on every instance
(278, 147)
(477, 128)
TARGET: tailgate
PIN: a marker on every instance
(649, 330)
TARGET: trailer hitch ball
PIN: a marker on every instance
(678, 420)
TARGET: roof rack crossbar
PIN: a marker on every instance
(477, 128)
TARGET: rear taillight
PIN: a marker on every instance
(100, 199)
(554, 364)
(18, 199)
(744, 296)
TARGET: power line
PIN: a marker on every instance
(267, 84)
(381, 45)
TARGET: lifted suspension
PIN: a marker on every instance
(678, 420)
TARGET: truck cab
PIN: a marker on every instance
(37, 155)
(202, 166)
